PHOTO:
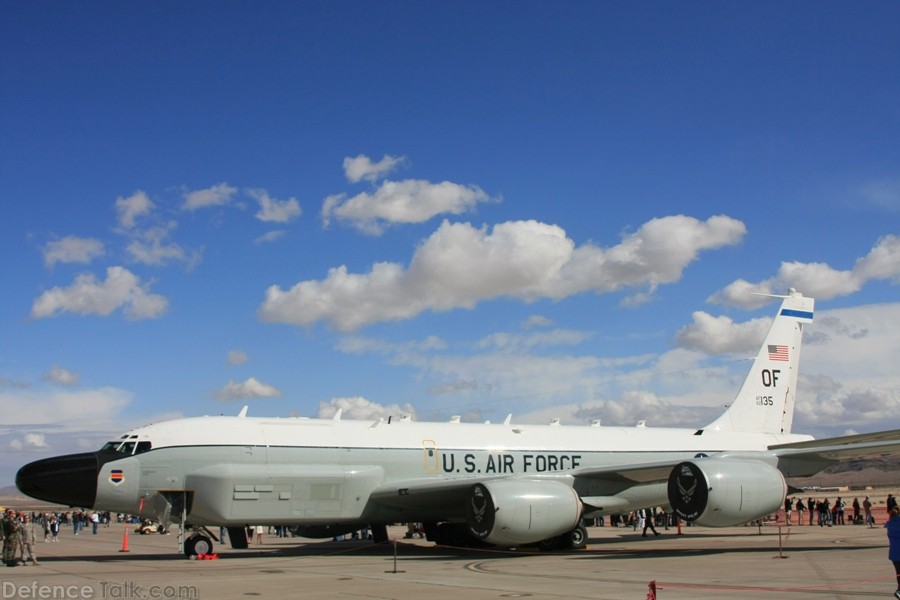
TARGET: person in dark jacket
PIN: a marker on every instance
(893, 533)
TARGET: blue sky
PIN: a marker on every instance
(467, 208)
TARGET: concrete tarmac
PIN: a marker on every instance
(742, 563)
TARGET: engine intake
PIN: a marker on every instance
(514, 512)
(721, 492)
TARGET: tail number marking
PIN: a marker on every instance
(770, 377)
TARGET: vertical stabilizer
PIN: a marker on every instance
(765, 402)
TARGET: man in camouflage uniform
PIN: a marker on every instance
(27, 540)
(9, 528)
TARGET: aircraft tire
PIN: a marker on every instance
(197, 544)
(551, 544)
(578, 538)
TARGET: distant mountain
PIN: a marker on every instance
(10, 491)
(855, 473)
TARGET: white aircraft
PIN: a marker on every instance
(503, 484)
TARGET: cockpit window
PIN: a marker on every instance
(128, 448)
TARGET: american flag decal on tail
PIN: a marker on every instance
(778, 352)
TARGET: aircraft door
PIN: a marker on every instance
(431, 458)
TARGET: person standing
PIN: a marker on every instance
(800, 508)
(27, 541)
(788, 509)
(9, 529)
(54, 528)
(811, 506)
(647, 517)
(867, 507)
(893, 533)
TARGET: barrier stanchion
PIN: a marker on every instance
(780, 553)
(395, 559)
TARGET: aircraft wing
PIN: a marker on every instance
(803, 459)
(446, 495)
(598, 487)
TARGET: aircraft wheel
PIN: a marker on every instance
(197, 544)
(551, 544)
(578, 538)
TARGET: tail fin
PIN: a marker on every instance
(765, 402)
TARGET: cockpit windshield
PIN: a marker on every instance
(126, 447)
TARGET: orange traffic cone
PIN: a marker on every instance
(125, 541)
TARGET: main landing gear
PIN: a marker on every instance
(198, 543)
(574, 540)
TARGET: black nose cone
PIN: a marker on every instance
(69, 480)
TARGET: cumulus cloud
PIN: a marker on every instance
(270, 237)
(536, 321)
(30, 441)
(62, 376)
(517, 342)
(721, 335)
(460, 266)
(129, 209)
(87, 296)
(237, 357)
(152, 247)
(362, 168)
(71, 249)
(409, 201)
(217, 195)
(818, 280)
(251, 388)
(272, 210)
(357, 407)
(626, 411)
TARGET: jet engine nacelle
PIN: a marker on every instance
(720, 492)
(514, 512)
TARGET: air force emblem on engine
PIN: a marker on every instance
(480, 511)
(687, 491)
(479, 504)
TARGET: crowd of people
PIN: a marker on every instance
(18, 538)
(825, 514)
(20, 531)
